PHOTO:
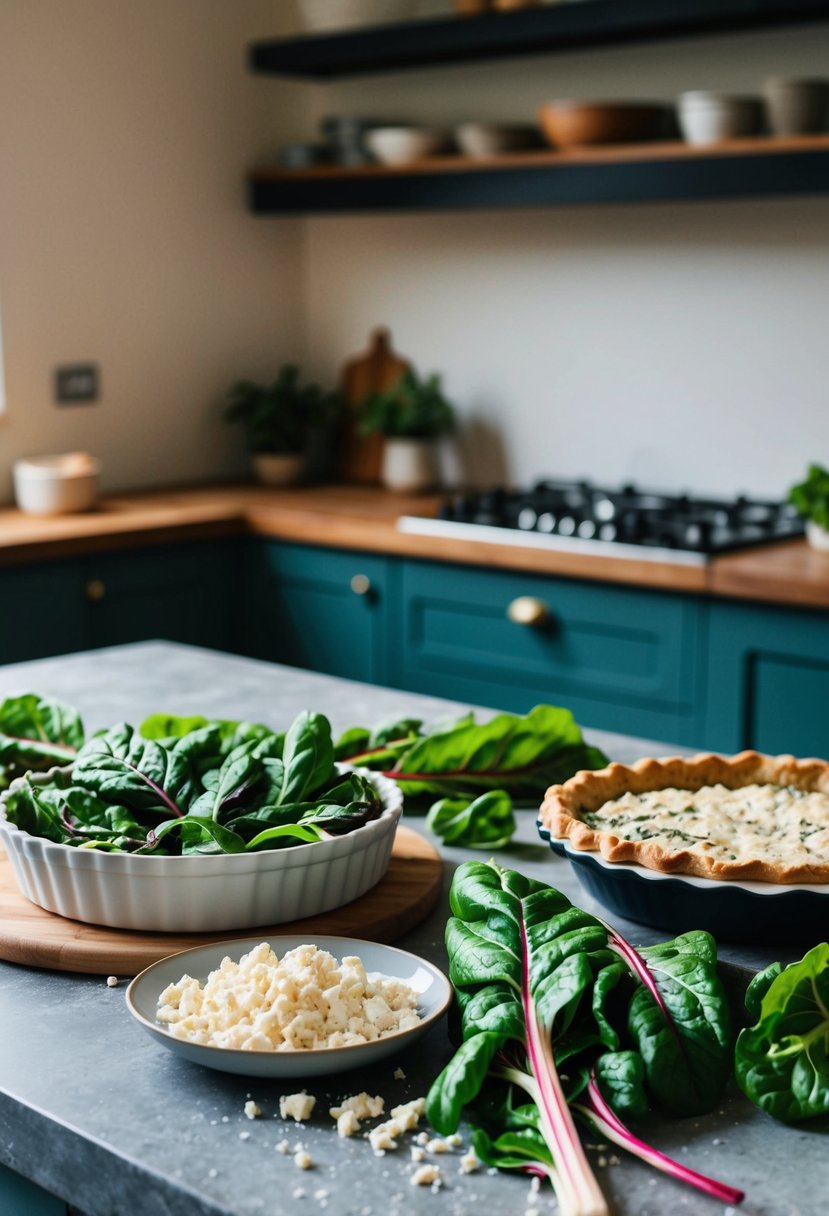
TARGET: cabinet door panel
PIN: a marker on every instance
(318, 608)
(19, 1197)
(179, 593)
(42, 611)
(768, 680)
(620, 658)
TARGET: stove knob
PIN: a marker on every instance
(566, 525)
(527, 519)
(546, 522)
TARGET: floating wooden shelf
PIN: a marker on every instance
(530, 31)
(617, 173)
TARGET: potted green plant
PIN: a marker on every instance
(280, 420)
(412, 415)
(811, 499)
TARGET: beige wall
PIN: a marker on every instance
(126, 128)
(679, 344)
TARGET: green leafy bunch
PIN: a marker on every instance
(188, 785)
(280, 416)
(413, 408)
(811, 496)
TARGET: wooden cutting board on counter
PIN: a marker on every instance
(29, 935)
(374, 371)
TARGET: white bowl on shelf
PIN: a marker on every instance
(481, 140)
(405, 145)
(711, 118)
(56, 485)
(202, 893)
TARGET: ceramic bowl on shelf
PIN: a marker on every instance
(332, 15)
(201, 893)
(405, 145)
(481, 140)
(711, 118)
(571, 124)
(796, 106)
(56, 485)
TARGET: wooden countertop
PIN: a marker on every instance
(363, 518)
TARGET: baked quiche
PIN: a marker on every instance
(750, 816)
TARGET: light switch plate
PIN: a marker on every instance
(76, 383)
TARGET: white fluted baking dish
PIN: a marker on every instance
(200, 894)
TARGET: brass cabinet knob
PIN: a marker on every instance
(95, 590)
(361, 584)
(527, 610)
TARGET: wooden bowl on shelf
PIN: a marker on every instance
(573, 124)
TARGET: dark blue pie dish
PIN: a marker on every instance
(751, 912)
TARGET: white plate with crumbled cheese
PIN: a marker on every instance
(289, 1006)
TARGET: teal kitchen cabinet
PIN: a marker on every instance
(768, 679)
(42, 611)
(19, 1197)
(324, 609)
(621, 659)
(183, 593)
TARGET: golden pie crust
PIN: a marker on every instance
(565, 805)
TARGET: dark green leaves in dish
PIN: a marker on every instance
(782, 1062)
(36, 733)
(197, 786)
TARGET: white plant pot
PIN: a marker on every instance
(409, 464)
(274, 469)
(817, 536)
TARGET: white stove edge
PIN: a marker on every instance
(424, 526)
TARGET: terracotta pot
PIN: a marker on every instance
(277, 469)
(409, 464)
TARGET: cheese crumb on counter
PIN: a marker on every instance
(252, 1111)
(469, 1162)
(304, 1002)
(283, 1147)
(404, 1118)
(399, 1074)
(298, 1107)
(347, 1124)
(427, 1175)
(112, 981)
(303, 1160)
(362, 1105)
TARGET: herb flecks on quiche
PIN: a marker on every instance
(750, 816)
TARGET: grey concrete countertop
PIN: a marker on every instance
(94, 1110)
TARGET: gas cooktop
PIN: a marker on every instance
(626, 521)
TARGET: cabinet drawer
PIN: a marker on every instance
(42, 611)
(620, 658)
(323, 609)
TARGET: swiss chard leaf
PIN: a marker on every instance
(485, 822)
(688, 1059)
(121, 766)
(36, 733)
(308, 757)
(782, 1062)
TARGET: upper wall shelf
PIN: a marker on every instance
(529, 31)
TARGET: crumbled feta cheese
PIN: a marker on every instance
(437, 1146)
(404, 1118)
(252, 1110)
(244, 1135)
(399, 1074)
(362, 1105)
(418, 1154)
(454, 1140)
(298, 1192)
(426, 1175)
(112, 981)
(469, 1162)
(422, 1138)
(283, 1147)
(297, 1106)
(347, 1124)
(306, 1001)
(302, 1159)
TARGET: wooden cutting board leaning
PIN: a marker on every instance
(372, 372)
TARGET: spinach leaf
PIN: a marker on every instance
(308, 757)
(485, 822)
(782, 1062)
(121, 766)
(37, 733)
